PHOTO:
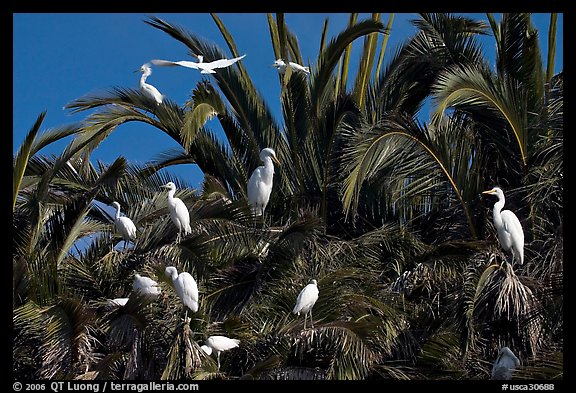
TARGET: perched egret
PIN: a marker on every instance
(145, 285)
(124, 225)
(260, 183)
(281, 65)
(178, 211)
(306, 300)
(147, 88)
(505, 364)
(186, 288)
(510, 233)
(205, 68)
(219, 344)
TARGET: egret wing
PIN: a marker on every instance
(512, 224)
(223, 62)
(255, 178)
(181, 63)
(187, 290)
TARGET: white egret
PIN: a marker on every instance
(145, 285)
(124, 225)
(206, 349)
(119, 301)
(178, 211)
(205, 68)
(281, 66)
(510, 233)
(147, 88)
(220, 344)
(186, 288)
(306, 300)
(260, 182)
(505, 364)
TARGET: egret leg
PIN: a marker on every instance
(311, 320)
(305, 314)
(218, 357)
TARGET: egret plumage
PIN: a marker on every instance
(119, 301)
(281, 66)
(205, 68)
(206, 349)
(260, 182)
(124, 225)
(505, 364)
(185, 286)
(145, 285)
(147, 88)
(219, 344)
(178, 211)
(306, 300)
(510, 233)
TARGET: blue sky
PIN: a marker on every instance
(61, 57)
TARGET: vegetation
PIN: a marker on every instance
(383, 208)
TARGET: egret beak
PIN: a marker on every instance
(135, 71)
(488, 192)
(275, 159)
(164, 186)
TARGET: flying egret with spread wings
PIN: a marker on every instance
(260, 182)
(306, 300)
(281, 66)
(178, 211)
(219, 344)
(510, 233)
(124, 225)
(147, 88)
(205, 68)
(186, 288)
(505, 364)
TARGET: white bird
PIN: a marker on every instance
(219, 344)
(510, 233)
(178, 211)
(281, 65)
(206, 349)
(205, 68)
(306, 300)
(186, 288)
(145, 285)
(147, 88)
(260, 182)
(505, 364)
(124, 225)
(119, 301)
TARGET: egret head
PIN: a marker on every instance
(314, 282)
(495, 191)
(171, 272)
(200, 58)
(145, 69)
(115, 205)
(279, 63)
(506, 352)
(269, 152)
(171, 186)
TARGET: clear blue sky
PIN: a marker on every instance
(60, 57)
